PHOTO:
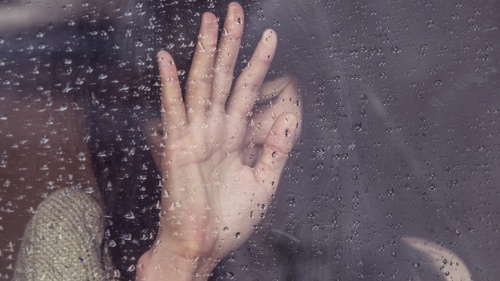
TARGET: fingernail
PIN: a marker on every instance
(232, 9)
(269, 35)
(159, 55)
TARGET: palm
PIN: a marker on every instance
(213, 187)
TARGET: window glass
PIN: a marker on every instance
(394, 175)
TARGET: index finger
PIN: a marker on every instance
(173, 109)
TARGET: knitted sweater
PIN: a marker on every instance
(64, 240)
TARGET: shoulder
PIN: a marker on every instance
(63, 239)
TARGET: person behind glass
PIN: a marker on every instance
(211, 198)
(220, 155)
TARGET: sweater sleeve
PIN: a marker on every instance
(64, 240)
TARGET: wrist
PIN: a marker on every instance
(160, 264)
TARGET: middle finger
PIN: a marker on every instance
(227, 56)
(199, 83)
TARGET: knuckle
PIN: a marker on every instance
(251, 86)
(199, 79)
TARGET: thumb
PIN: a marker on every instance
(277, 146)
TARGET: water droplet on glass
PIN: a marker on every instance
(130, 215)
(131, 268)
(44, 140)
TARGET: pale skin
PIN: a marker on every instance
(222, 152)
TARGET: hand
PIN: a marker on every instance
(211, 196)
(275, 98)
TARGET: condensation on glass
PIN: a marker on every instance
(395, 175)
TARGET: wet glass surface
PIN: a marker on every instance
(395, 173)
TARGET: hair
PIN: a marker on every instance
(123, 93)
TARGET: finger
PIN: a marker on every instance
(248, 84)
(250, 154)
(272, 89)
(173, 109)
(199, 83)
(153, 131)
(279, 143)
(275, 97)
(227, 55)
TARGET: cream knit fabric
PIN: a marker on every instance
(63, 240)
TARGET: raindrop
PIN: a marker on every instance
(364, 98)
(395, 50)
(112, 243)
(81, 156)
(130, 215)
(127, 236)
(44, 140)
(62, 108)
